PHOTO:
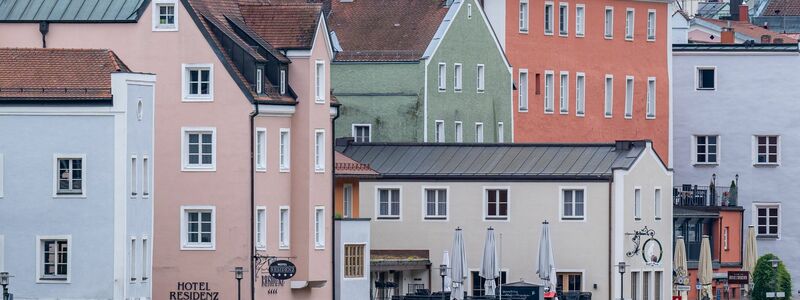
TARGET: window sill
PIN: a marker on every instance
(319, 101)
(317, 247)
(548, 33)
(628, 117)
(389, 218)
(199, 169)
(637, 219)
(580, 35)
(319, 171)
(495, 218)
(261, 248)
(573, 219)
(53, 280)
(706, 89)
(651, 39)
(768, 236)
(650, 117)
(563, 34)
(628, 39)
(580, 115)
(697, 164)
(766, 165)
(609, 37)
(198, 248)
(283, 248)
(284, 171)
(197, 99)
(165, 28)
(481, 91)
(658, 219)
(548, 112)
(564, 112)
(523, 110)
(442, 90)
(261, 170)
(457, 91)
(57, 195)
(523, 31)
(609, 116)
(435, 218)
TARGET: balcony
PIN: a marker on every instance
(688, 195)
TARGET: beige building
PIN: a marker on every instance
(596, 197)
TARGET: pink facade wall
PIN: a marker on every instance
(227, 188)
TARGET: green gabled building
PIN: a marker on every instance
(419, 71)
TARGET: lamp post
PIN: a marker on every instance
(621, 265)
(774, 263)
(4, 282)
(239, 273)
(443, 273)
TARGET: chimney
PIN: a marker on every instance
(766, 39)
(728, 36)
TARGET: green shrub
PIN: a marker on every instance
(764, 278)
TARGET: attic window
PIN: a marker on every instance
(165, 15)
(283, 82)
(469, 11)
(259, 81)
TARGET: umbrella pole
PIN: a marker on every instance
(500, 263)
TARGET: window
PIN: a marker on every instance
(197, 82)
(283, 228)
(362, 133)
(657, 203)
(259, 81)
(283, 82)
(767, 150)
(479, 283)
(548, 91)
(637, 204)
(145, 176)
(469, 11)
(725, 238)
(347, 197)
(198, 228)
(319, 79)
(54, 258)
(457, 77)
(70, 175)
(523, 16)
(628, 97)
(523, 90)
(199, 148)
(500, 132)
(569, 281)
(261, 228)
(629, 18)
(145, 259)
(651, 25)
(481, 82)
(580, 94)
(132, 261)
(496, 204)
(767, 220)
(388, 203)
(609, 23)
(548, 18)
(442, 77)
(479, 132)
(283, 151)
(657, 286)
(645, 285)
(563, 19)
(319, 227)
(134, 179)
(651, 98)
(563, 97)
(261, 149)
(139, 110)
(580, 20)
(164, 16)
(439, 131)
(609, 97)
(459, 132)
(706, 78)
(635, 286)
(435, 203)
(706, 149)
(573, 204)
(354, 260)
(319, 150)
(538, 83)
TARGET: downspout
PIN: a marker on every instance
(252, 203)
(334, 276)
(610, 238)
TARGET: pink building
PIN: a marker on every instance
(232, 76)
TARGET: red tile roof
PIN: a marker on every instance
(751, 30)
(786, 8)
(284, 25)
(385, 30)
(36, 73)
(348, 167)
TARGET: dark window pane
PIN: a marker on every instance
(712, 158)
(206, 148)
(203, 88)
(701, 139)
(63, 164)
(762, 221)
(206, 217)
(712, 139)
(773, 158)
(193, 75)
(773, 230)
(773, 140)
(193, 148)
(205, 237)
(76, 185)
(193, 138)
(206, 138)
(63, 184)
(205, 227)
(204, 75)
(76, 164)
(193, 238)
(762, 230)
(193, 217)
(206, 159)
(193, 227)
(773, 211)
(762, 140)
(77, 174)
(503, 209)
(193, 159)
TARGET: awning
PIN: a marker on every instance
(399, 260)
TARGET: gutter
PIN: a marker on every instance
(610, 237)
(334, 276)
(252, 117)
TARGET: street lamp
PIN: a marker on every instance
(443, 273)
(239, 273)
(4, 282)
(621, 265)
(774, 263)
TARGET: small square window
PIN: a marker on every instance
(767, 220)
(354, 260)
(198, 82)
(199, 149)
(54, 259)
(435, 203)
(362, 133)
(70, 176)
(388, 203)
(573, 204)
(706, 149)
(767, 149)
(706, 78)
(496, 204)
(165, 15)
(198, 228)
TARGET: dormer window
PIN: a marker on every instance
(259, 81)
(165, 16)
(283, 82)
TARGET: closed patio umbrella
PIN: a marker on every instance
(680, 265)
(490, 268)
(750, 254)
(458, 266)
(446, 262)
(705, 272)
(547, 265)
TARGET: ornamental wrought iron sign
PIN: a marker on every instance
(282, 269)
(651, 250)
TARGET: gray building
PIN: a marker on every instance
(735, 116)
(76, 173)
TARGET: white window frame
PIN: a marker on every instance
(259, 81)
(283, 82)
(390, 217)
(549, 20)
(146, 176)
(637, 203)
(755, 150)
(439, 131)
(549, 91)
(185, 166)
(319, 228)
(199, 246)
(651, 98)
(608, 23)
(84, 172)
(630, 91)
(353, 131)
(347, 200)
(485, 203)
(134, 180)
(562, 216)
(458, 72)
(459, 128)
(156, 15)
(319, 82)
(524, 16)
(319, 150)
(132, 260)
(524, 88)
(261, 149)
(481, 81)
(469, 11)
(185, 68)
(287, 232)
(284, 150)
(425, 216)
(501, 132)
(657, 202)
(479, 134)
(145, 258)
(630, 24)
(697, 70)
(652, 24)
(565, 15)
(756, 206)
(40, 260)
(442, 78)
(563, 93)
(261, 229)
(608, 95)
(694, 149)
(580, 20)
(580, 94)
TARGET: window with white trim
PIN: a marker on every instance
(651, 98)
(609, 23)
(548, 18)
(609, 96)
(628, 97)
(706, 78)
(132, 259)
(362, 133)
(134, 186)
(438, 131)
(283, 82)
(523, 90)
(347, 199)
(563, 19)
(501, 131)
(469, 11)
(657, 203)
(637, 204)
(165, 17)
(259, 81)
(580, 20)
(725, 239)
(283, 228)
(145, 176)
(457, 82)
(629, 19)
(70, 175)
(319, 82)
(261, 228)
(388, 203)
(549, 90)
(198, 228)
(645, 285)
(523, 16)
(459, 132)
(767, 149)
(479, 132)
(442, 77)
(496, 204)
(563, 97)
(261, 149)
(573, 204)
(319, 150)
(435, 203)
(481, 81)
(198, 85)
(145, 259)
(319, 227)
(54, 259)
(570, 281)
(199, 148)
(651, 25)
(768, 220)
(706, 149)
(580, 94)
(283, 149)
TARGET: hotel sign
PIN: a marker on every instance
(738, 277)
(282, 269)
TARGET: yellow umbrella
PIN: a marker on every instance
(750, 253)
(681, 267)
(704, 269)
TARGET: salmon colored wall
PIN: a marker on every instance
(595, 56)
(733, 220)
(339, 198)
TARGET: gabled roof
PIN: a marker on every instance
(744, 30)
(745, 47)
(385, 30)
(495, 161)
(284, 25)
(783, 8)
(72, 11)
(57, 74)
(347, 167)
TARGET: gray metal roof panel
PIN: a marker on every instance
(70, 10)
(447, 155)
(99, 10)
(581, 161)
(45, 9)
(494, 159)
(31, 9)
(502, 166)
(456, 159)
(533, 157)
(569, 160)
(475, 166)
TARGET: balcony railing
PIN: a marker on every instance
(704, 196)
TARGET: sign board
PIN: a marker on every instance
(738, 277)
(683, 288)
(282, 269)
(770, 294)
(780, 295)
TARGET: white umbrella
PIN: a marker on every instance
(750, 254)
(680, 265)
(547, 265)
(446, 262)
(458, 266)
(490, 269)
(704, 269)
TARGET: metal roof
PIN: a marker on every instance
(71, 10)
(513, 161)
(744, 47)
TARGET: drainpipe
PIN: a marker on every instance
(334, 276)
(252, 203)
(610, 239)
(44, 27)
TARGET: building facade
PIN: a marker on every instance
(244, 172)
(588, 71)
(596, 198)
(711, 139)
(76, 174)
(433, 72)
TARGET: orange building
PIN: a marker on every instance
(587, 70)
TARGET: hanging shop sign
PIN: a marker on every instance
(651, 250)
(282, 269)
(738, 277)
